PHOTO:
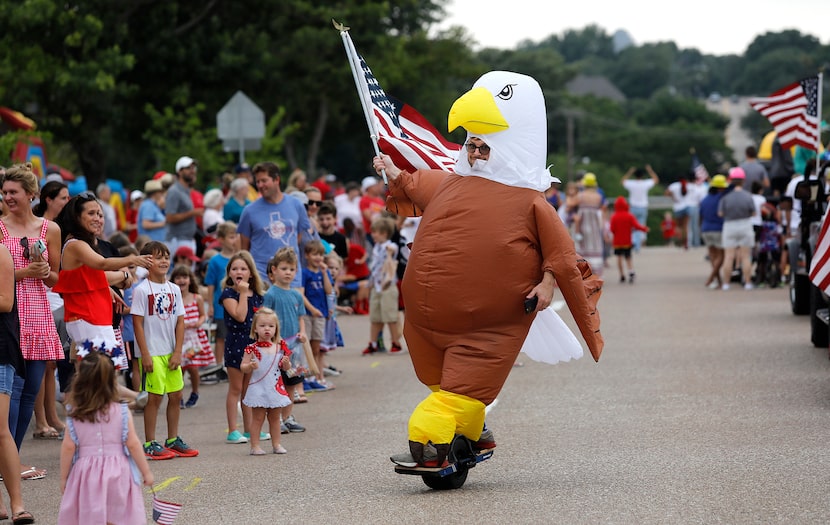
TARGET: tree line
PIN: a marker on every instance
(123, 89)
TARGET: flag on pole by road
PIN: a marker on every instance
(819, 267)
(404, 134)
(794, 113)
(700, 171)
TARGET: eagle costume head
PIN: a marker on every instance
(507, 111)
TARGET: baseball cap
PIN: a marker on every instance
(136, 194)
(368, 182)
(184, 162)
(299, 195)
(243, 167)
(737, 173)
(186, 251)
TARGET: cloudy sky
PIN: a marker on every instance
(713, 27)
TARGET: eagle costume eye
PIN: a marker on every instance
(506, 92)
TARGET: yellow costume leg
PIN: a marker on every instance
(443, 414)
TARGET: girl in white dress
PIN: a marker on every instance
(266, 392)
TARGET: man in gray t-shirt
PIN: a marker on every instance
(178, 207)
(754, 170)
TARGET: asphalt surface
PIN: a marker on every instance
(706, 407)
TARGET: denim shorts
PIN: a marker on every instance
(7, 374)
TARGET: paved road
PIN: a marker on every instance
(736, 137)
(706, 407)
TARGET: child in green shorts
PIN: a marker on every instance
(158, 320)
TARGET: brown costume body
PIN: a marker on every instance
(473, 261)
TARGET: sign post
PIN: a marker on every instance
(240, 125)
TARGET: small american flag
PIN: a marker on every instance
(819, 269)
(793, 112)
(404, 134)
(700, 171)
(165, 512)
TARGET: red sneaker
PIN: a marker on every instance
(395, 348)
(154, 451)
(180, 448)
(371, 349)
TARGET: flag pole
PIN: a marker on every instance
(354, 63)
(818, 116)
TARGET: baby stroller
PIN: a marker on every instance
(768, 248)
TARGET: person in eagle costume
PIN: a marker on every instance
(487, 242)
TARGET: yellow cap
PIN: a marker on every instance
(589, 180)
(719, 181)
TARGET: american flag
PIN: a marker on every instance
(165, 512)
(404, 134)
(793, 112)
(819, 269)
(700, 171)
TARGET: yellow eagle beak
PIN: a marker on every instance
(476, 111)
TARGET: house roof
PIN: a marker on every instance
(594, 85)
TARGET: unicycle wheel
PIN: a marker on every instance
(461, 455)
(450, 482)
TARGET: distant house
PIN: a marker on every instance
(597, 86)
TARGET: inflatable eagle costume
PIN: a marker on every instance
(486, 238)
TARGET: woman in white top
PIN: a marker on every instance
(638, 189)
(681, 193)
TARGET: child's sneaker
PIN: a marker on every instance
(370, 349)
(192, 400)
(283, 428)
(236, 437)
(263, 436)
(395, 348)
(279, 449)
(181, 449)
(631, 277)
(292, 425)
(154, 451)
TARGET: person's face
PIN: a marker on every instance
(161, 263)
(334, 267)
(266, 328)
(477, 154)
(188, 174)
(182, 281)
(379, 236)
(230, 242)
(92, 218)
(283, 274)
(327, 222)
(269, 188)
(241, 192)
(15, 197)
(315, 199)
(239, 271)
(315, 259)
(56, 205)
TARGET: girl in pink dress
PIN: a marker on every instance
(102, 459)
(196, 350)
